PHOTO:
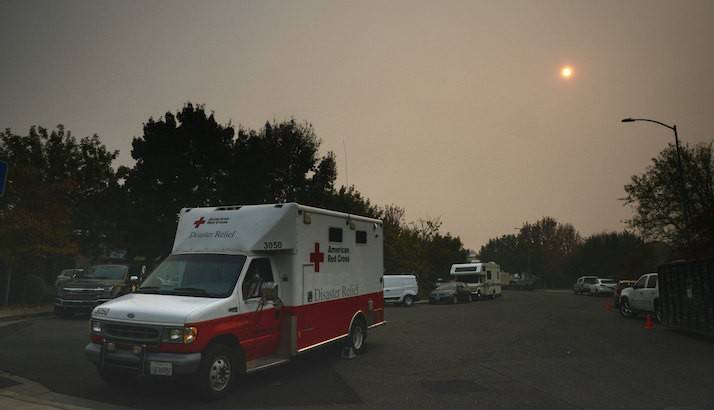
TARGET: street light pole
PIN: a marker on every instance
(680, 168)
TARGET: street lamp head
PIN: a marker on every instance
(628, 120)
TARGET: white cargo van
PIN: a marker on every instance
(401, 289)
(245, 288)
(482, 278)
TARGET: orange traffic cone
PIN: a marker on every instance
(608, 306)
(648, 322)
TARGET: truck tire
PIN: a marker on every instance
(408, 301)
(659, 316)
(220, 368)
(358, 336)
(625, 309)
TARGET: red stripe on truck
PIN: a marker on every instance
(259, 332)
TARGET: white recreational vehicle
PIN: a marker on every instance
(245, 288)
(482, 278)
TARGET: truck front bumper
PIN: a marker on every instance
(82, 304)
(140, 362)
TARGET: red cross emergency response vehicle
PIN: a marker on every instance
(245, 288)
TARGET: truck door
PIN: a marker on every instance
(264, 317)
(638, 293)
(650, 293)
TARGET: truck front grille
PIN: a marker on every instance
(82, 295)
(132, 333)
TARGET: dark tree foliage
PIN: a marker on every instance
(419, 247)
(189, 160)
(60, 200)
(659, 199)
(280, 163)
(182, 160)
(541, 249)
(618, 255)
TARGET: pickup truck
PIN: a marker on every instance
(642, 297)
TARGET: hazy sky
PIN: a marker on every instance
(449, 109)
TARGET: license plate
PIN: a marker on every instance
(161, 368)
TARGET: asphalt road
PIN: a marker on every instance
(526, 350)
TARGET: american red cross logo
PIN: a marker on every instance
(317, 257)
(200, 221)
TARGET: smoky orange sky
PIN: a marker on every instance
(451, 109)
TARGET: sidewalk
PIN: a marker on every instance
(15, 313)
(21, 394)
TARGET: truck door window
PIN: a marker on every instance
(652, 282)
(258, 272)
(640, 283)
(335, 235)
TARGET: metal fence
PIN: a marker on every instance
(686, 294)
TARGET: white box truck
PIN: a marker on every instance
(482, 278)
(245, 288)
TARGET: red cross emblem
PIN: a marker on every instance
(317, 257)
(200, 221)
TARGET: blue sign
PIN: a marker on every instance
(3, 177)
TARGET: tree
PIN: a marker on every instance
(55, 203)
(541, 248)
(189, 160)
(280, 163)
(658, 196)
(419, 247)
(620, 255)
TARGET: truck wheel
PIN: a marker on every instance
(625, 309)
(471, 299)
(659, 316)
(218, 372)
(478, 295)
(454, 299)
(357, 337)
(408, 301)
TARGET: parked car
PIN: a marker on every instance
(620, 285)
(93, 286)
(402, 289)
(450, 292)
(602, 287)
(582, 285)
(642, 297)
(67, 274)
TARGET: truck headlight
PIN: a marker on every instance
(184, 335)
(95, 327)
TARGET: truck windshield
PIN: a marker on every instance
(470, 278)
(204, 275)
(116, 272)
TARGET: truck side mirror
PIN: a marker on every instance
(269, 290)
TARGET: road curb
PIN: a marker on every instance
(21, 316)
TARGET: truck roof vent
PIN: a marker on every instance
(228, 208)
